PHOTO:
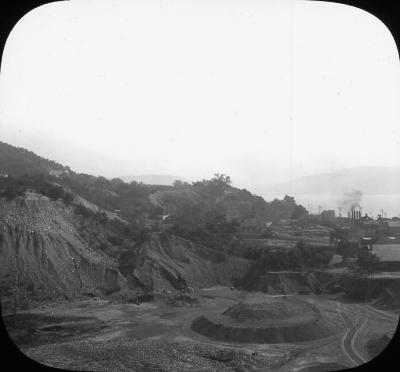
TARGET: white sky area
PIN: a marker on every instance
(264, 91)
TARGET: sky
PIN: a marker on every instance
(264, 91)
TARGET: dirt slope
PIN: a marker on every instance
(281, 282)
(43, 246)
(168, 262)
(40, 246)
(384, 292)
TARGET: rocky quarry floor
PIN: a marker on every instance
(99, 334)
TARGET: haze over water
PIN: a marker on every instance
(370, 203)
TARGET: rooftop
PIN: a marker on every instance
(387, 252)
(393, 223)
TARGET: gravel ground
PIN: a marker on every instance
(147, 355)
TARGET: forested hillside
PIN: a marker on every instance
(207, 211)
(17, 162)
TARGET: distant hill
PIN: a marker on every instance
(17, 162)
(153, 179)
(369, 180)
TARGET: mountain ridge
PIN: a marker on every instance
(367, 179)
(153, 179)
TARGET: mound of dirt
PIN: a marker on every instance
(275, 321)
(272, 335)
(245, 311)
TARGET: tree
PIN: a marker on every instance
(11, 192)
(67, 197)
(344, 248)
(289, 199)
(298, 212)
(221, 179)
(367, 262)
(178, 183)
(54, 192)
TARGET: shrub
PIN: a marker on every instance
(67, 197)
(83, 211)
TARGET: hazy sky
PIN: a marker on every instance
(260, 90)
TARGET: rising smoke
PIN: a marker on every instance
(352, 200)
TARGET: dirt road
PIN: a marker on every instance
(348, 340)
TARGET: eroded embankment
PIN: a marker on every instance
(47, 253)
(281, 282)
(169, 262)
(383, 291)
(43, 255)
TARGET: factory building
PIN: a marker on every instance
(354, 214)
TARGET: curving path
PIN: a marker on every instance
(347, 342)
(383, 315)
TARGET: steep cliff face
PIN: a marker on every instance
(41, 248)
(170, 262)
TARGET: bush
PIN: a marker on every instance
(11, 193)
(367, 262)
(101, 217)
(54, 192)
(83, 211)
(67, 198)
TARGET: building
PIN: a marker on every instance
(389, 256)
(328, 215)
(251, 226)
(393, 228)
(354, 214)
(366, 243)
(366, 218)
(166, 221)
(57, 173)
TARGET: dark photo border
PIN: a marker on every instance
(11, 11)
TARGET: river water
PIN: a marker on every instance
(370, 203)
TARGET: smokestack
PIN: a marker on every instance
(348, 215)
